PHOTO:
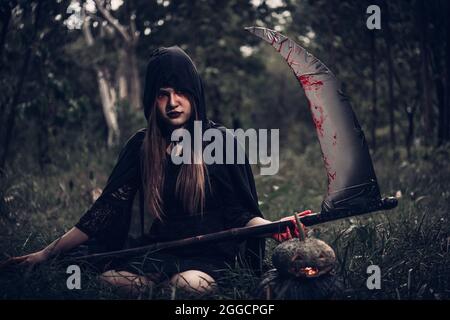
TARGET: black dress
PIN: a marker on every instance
(223, 210)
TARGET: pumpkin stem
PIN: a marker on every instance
(301, 231)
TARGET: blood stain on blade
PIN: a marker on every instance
(318, 120)
(331, 174)
(309, 83)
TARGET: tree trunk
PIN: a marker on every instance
(446, 111)
(130, 39)
(374, 110)
(6, 17)
(43, 139)
(389, 40)
(410, 111)
(108, 99)
(438, 67)
(121, 75)
(134, 84)
(127, 77)
(425, 75)
(11, 117)
(440, 94)
(106, 91)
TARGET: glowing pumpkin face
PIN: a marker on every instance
(307, 259)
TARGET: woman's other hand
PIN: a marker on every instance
(71, 239)
(28, 261)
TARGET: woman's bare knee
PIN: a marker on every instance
(125, 280)
(194, 281)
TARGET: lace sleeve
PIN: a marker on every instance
(109, 212)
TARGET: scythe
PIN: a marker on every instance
(352, 183)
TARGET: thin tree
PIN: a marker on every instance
(12, 115)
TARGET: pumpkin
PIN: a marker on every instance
(307, 258)
(303, 271)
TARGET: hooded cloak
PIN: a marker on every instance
(108, 220)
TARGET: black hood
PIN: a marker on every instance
(172, 67)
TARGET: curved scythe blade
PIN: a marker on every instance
(352, 184)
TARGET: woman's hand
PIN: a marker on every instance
(32, 259)
(71, 239)
(287, 233)
(28, 261)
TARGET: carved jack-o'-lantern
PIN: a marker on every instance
(303, 271)
(304, 258)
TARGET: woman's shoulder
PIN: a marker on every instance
(134, 142)
(139, 134)
(136, 138)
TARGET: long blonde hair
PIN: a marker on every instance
(190, 185)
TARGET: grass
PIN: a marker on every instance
(410, 244)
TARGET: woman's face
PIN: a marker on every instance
(173, 107)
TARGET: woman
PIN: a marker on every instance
(183, 200)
